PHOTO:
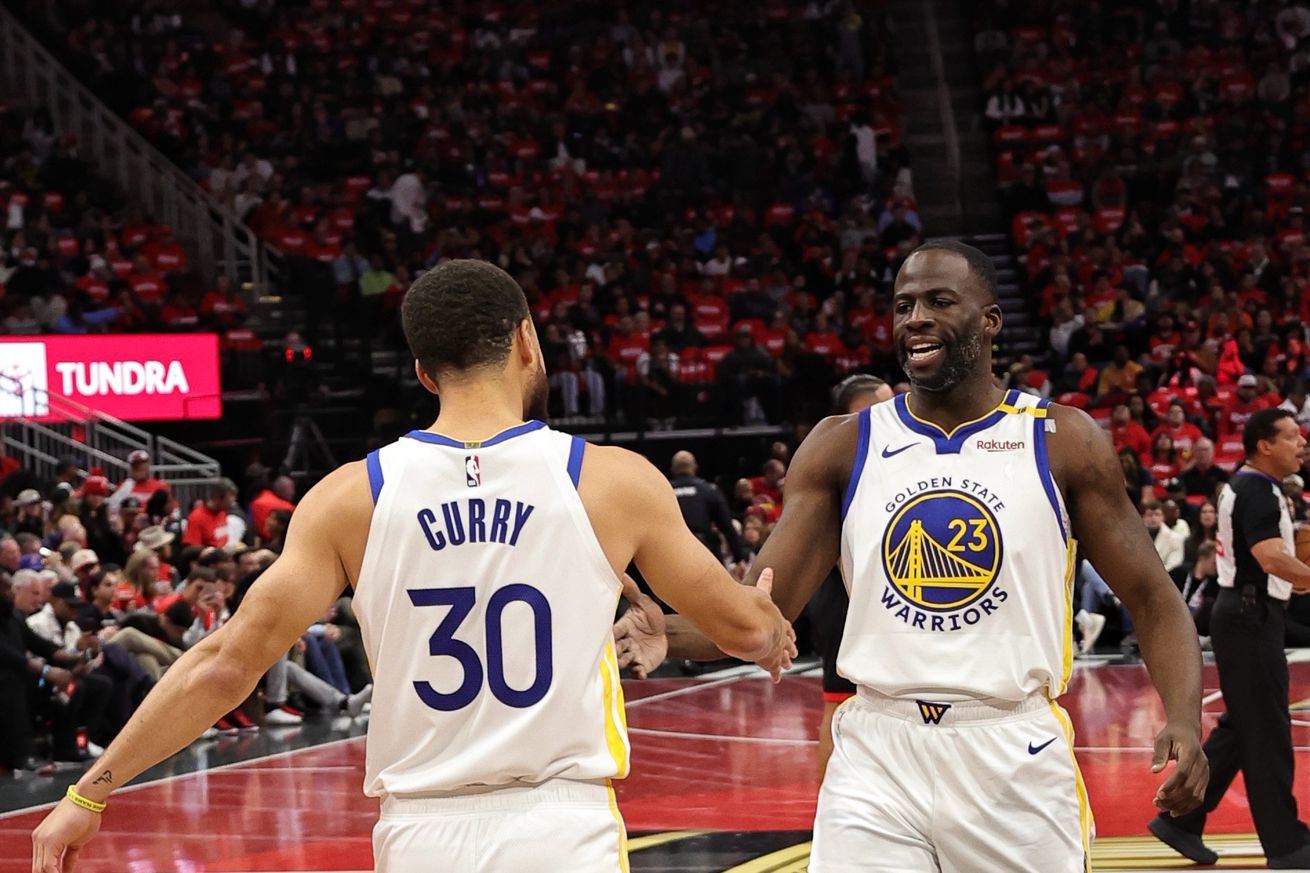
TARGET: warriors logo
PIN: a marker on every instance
(942, 551)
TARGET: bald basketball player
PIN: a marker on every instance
(485, 554)
(953, 511)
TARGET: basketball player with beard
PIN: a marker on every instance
(953, 512)
(486, 554)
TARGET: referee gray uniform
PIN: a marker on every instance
(1254, 736)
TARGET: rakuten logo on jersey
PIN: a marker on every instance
(1001, 445)
(121, 377)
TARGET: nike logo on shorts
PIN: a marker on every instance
(888, 453)
(1033, 750)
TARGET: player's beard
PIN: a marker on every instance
(960, 363)
(536, 400)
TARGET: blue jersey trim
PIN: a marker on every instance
(1251, 471)
(861, 454)
(374, 465)
(575, 459)
(951, 443)
(1044, 466)
(437, 439)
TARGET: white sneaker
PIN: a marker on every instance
(356, 702)
(281, 718)
(1090, 624)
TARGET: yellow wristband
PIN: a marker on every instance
(84, 802)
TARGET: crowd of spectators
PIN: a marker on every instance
(661, 185)
(1153, 160)
(75, 259)
(104, 585)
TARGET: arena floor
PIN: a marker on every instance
(723, 782)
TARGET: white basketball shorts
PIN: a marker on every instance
(953, 787)
(555, 826)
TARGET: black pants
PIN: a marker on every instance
(88, 706)
(1255, 735)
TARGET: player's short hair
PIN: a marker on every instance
(980, 264)
(850, 388)
(1263, 426)
(461, 315)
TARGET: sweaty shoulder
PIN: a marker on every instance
(827, 455)
(336, 514)
(621, 491)
(1079, 449)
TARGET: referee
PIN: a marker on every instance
(703, 508)
(1258, 574)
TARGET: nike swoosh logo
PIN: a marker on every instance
(1033, 750)
(888, 453)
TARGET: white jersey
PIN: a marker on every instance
(486, 607)
(957, 556)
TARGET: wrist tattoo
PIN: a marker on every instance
(106, 778)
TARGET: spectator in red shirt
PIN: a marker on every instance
(770, 484)
(139, 484)
(1128, 434)
(1184, 433)
(1246, 404)
(147, 286)
(222, 306)
(1164, 462)
(277, 496)
(207, 523)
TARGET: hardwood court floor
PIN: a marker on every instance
(723, 782)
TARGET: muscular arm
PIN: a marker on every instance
(1114, 539)
(806, 542)
(1273, 558)
(219, 673)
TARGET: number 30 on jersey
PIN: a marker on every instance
(443, 643)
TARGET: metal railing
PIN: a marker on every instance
(43, 429)
(217, 238)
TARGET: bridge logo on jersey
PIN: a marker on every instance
(932, 712)
(942, 555)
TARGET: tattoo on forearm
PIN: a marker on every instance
(106, 778)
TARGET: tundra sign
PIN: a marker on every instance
(136, 377)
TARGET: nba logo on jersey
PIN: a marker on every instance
(472, 471)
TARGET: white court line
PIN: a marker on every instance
(727, 738)
(164, 780)
(679, 692)
(1212, 697)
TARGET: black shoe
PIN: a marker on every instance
(1298, 860)
(1187, 844)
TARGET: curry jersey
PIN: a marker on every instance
(486, 607)
(956, 552)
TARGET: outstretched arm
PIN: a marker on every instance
(1114, 539)
(806, 542)
(214, 678)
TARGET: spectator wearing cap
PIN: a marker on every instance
(1247, 403)
(140, 483)
(57, 620)
(1294, 489)
(159, 541)
(97, 518)
(207, 524)
(31, 513)
(84, 564)
(129, 513)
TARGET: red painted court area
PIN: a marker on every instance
(732, 754)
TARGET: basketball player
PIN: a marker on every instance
(827, 608)
(953, 511)
(486, 555)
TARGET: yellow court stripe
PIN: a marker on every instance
(650, 841)
(789, 860)
(623, 829)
